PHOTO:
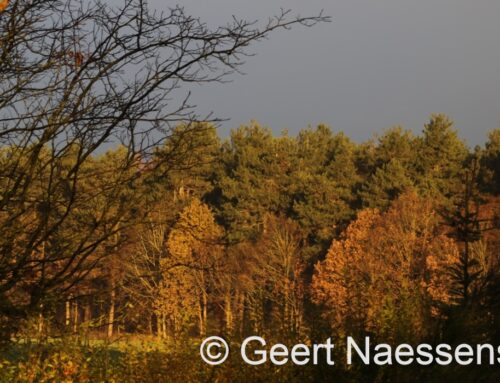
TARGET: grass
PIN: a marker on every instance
(127, 359)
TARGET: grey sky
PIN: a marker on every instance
(379, 63)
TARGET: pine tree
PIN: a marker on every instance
(388, 182)
(441, 156)
(490, 164)
(247, 185)
(323, 185)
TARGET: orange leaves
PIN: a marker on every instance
(389, 268)
(72, 59)
(339, 278)
(3, 5)
(77, 58)
(439, 278)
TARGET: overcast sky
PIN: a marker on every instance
(379, 63)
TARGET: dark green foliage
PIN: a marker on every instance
(490, 164)
(323, 183)
(388, 181)
(440, 159)
(247, 185)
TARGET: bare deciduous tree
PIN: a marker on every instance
(75, 77)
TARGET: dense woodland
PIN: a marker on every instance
(295, 238)
(265, 234)
(125, 215)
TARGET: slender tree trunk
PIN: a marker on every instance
(87, 318)
(87, 314)
(241, 312)
(101, 315)
(68, 313)
(159, 327)
(112, 301)
(111, 314)
(200, 317)
(75, 316)
(176, 327)
(286, 321)
(40, 324)
(163, 326)
(205, 312)
(229, 314)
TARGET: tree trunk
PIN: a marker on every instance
(87, 318)
(159, 327)
(241, 312)
(68, 313)
(229, 314)
(40, 324)
(205, 312)
(111, 315)
(163, 326)
(75, 316)
(200, 317)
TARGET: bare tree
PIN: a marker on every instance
(75, 77)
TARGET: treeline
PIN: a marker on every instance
(290, 237)
(175, 233)
(285, 235)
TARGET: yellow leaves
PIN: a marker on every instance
(65, 366)
(195, 247)
(196, 234)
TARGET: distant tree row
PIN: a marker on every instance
(294, 237)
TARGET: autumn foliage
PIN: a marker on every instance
(124, 215)
(389, 273)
